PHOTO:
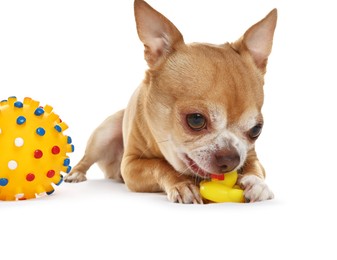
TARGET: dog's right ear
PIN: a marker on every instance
(159, 36)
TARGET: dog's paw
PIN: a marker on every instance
(255, 189)
(186, 193)
(75, 177)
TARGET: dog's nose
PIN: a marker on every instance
(227, 160)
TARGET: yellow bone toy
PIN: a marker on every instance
(222, 188)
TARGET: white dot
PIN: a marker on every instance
(19, 195)
(40, 195)
(18, 142)
(12, 165)
(0, 131)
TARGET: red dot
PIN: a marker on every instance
(55, 150)
(30, 177)
(38, 154)
(50, 173)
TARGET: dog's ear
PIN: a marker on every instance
(258, 40)
(159, 36)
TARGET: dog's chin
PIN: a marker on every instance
(195, 168)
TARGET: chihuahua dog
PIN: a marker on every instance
(197, 112)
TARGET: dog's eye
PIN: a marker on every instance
(255, 131)
(196, 121)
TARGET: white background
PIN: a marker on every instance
(84, 58)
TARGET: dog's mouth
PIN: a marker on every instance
(195, 168)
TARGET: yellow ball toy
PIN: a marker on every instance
(222, 188)
(33, 149)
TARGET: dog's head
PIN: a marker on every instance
(203, 101)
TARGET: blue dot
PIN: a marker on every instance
(72, 148)
(3, 181)
(66, 162)
(40, 131)
(69, 140)
(61, 180)
(58, 128)
(20, 120)
(68, 169)
(50, 192)
(39, 111)
(18, 104)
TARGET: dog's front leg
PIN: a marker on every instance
(156, 175)
(252, 180)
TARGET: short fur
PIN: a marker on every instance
(152, 146)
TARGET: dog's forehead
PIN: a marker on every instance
(205, 69)
(208, 59)
(205, 60)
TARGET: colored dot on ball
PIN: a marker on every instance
(20, 120)
(3, 182)
(39, 111)
(50, 192)
(50, 173)
(40, 131)
(55, 150)
(18, 142)
(69, 140)
(0, 131)
(30, 177)
(38, 154)
(60, 181)
(58, 128)
(12, 165)
(19, 196)
(66, 162)
(18, 104)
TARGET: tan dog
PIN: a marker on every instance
(198, 111)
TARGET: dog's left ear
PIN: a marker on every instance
(258, 40)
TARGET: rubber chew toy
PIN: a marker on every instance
(222, 188)
(33, 149)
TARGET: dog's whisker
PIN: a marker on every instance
(196, 180)
(148, 148)
(163, 141)
(184, 171)
(143, 152)
(195, 177)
